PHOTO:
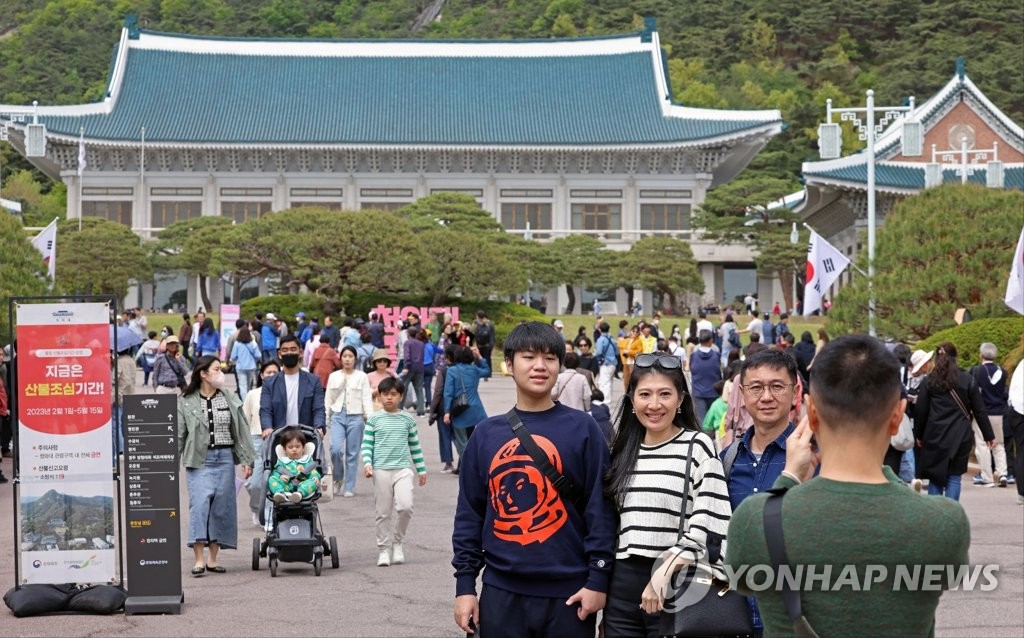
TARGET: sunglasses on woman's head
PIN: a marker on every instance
(663, 361)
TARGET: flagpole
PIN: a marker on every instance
(81, 172)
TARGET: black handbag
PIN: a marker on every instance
(460, 402)
(720, 611)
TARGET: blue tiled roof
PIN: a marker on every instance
(546, 101)
(908, 177)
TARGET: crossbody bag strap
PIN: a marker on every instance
(566, 488)
(686, 487)
(777, 554)
(730, 455)
(960, 403)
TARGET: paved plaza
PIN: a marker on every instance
(415, 599)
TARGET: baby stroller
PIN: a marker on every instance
(295, 531)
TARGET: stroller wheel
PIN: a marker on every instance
(318, 564)
(255, 554)
(335, 556)
(273, 566)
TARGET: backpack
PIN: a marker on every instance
(366, 357)
(734, 339)
(484, 334)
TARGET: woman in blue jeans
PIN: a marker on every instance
(464, 378)
(349, 402)
(947, 401)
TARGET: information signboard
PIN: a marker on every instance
(152, 505)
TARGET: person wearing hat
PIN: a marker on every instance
(381, 370)
(559, 326)
(169, 367)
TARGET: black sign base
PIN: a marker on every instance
(153, 604)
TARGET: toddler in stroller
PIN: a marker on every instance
(294, 531)
(295, 476)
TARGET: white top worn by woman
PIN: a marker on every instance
(649, 516)
(350, 392)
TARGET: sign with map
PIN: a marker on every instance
(67, 524)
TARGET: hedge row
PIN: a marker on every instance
(1007, 333)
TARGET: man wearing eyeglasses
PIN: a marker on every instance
(755, 460)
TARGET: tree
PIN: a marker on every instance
(663, 265)
(38, 208)
(188, 245)
(461, 263)
(23, 274)
(102, 258)
(946, 248)
(455, 211)
(583, 261)
(738, 212)
(326, 251)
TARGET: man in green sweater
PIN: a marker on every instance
(872, 557)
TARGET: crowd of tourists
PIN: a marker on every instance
(572, 503)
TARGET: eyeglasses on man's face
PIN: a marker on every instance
(757, 389)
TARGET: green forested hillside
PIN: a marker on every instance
(785, 54)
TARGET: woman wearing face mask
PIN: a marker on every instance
(213, 437)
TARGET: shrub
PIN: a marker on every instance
(1006, 333)
(285, 307)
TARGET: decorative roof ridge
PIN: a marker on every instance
(409, 47)
(703, 143)
(696, 113)
(891, 136)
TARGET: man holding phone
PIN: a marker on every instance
(755, 460)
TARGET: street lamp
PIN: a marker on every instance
(528, 236)
(830, 142)
(794, 238)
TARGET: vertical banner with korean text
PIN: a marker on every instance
(67, 519)
(229, 314)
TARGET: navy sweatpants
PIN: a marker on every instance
(503, 613)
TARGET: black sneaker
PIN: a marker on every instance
(3, 479)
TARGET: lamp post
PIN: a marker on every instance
(830, 142)
(794, 238)
(528, 236)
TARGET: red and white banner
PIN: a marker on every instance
(824, 265)
(1015, 286)
(67, 518)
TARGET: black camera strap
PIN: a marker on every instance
(566, 488)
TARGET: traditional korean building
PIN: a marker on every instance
(552, 136)
(965, 138)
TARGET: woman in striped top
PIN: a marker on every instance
(656, 432)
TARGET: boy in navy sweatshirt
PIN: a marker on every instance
(545, 560)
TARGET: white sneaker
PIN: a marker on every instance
(397, 555)
(280, 497)
(337, 487)
(256, 520)
(384, 559)
(294, 497)
(348, 494)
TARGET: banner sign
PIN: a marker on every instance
(391, 315)
(229, 314)
(67, 520)
(152, 513)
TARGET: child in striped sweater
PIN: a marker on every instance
(389, 440)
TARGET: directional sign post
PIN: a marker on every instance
(153, 539)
